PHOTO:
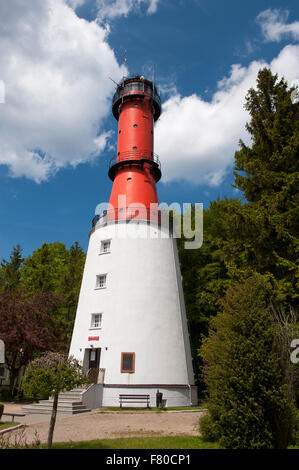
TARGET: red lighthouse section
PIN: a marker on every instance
(135, 169)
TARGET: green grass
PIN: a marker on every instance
(7, 424)
(130, 408)
(177, 442)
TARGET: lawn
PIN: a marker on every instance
(7, 424)
(130, 408)
(176, 442)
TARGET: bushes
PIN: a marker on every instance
(248, 404)
(208, 429)
(295, 440)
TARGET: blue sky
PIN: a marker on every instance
(57, 133)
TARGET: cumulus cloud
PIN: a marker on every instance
(55, 69)
(75, 3)
(55, 94)
(197, 139)
(110, 9)
(274, 25)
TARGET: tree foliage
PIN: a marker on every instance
(26, 327)
(10, 274)
(249, 405)
(38, 299)
(267, 174)
(53, 268)
(50, 374)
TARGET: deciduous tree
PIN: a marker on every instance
(50, 374)
(26, 327)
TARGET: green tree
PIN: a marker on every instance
(26, 327)
(45, 268)
(70, 288)
(49, 375)
(52, 268)
(249, 403)
(10, 271)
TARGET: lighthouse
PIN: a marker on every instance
(130, 328)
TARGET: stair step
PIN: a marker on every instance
(47, 408)
(49, 411)
(62, 405)
(69, 397)
(69, 402)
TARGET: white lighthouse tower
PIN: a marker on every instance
(130, 327)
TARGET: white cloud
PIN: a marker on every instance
(109, 9)
(153, 6)
(55, 68)
(197, 139)
(2, 92)
(274, 25)
(75, 3)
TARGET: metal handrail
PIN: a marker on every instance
(130, 212)
(132, 87)
(136, 86)
(135, 155)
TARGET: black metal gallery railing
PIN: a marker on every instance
(135, 158)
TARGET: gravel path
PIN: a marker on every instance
(104, 425)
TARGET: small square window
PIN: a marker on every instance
(105, 246)
(101, 281)
(96, 320)
(128, 362)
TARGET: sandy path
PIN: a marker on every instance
(99, 425)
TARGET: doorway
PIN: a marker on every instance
(94, 358)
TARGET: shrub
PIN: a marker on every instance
(249, 404)
(208, 429)
(295, 440)
(1, 410)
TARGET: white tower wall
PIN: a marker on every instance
(143, 312)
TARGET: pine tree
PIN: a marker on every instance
(10, 274)
(264, 230)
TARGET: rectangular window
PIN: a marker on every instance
(105, 246)
(101, 281)
(96, 320)
(127, 362)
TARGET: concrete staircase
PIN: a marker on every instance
(68, 403)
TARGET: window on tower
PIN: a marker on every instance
(105, 246)
(96, 320)
(127, 362)
(101, 281)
